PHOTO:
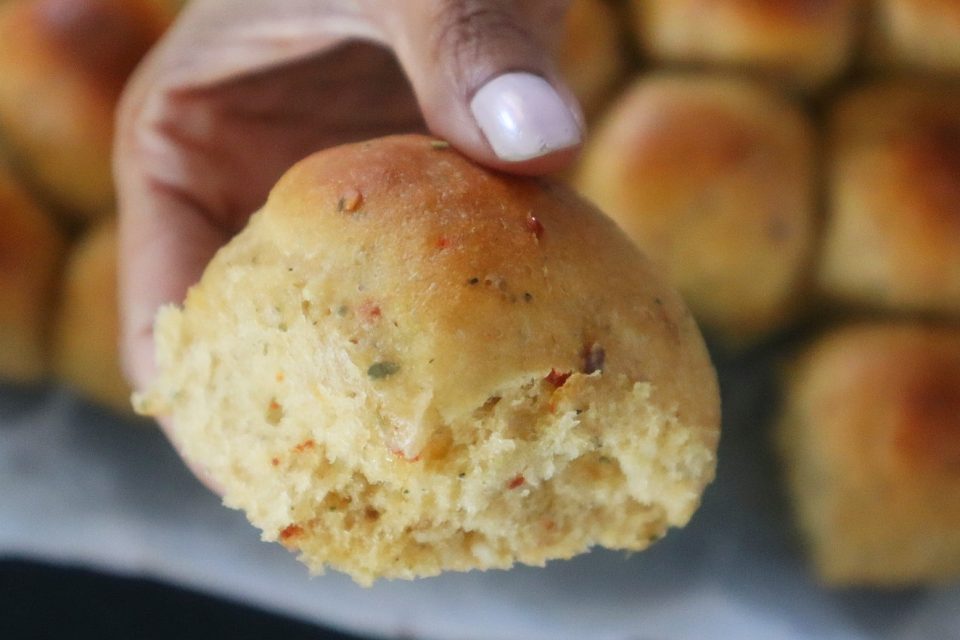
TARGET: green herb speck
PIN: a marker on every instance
(381, 370)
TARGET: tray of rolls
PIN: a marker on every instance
(792, 168)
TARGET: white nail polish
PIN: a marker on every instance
(522, 117)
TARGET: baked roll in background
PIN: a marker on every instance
(918, 35)
(86, 328)
(871, 446)
(407, 364)
(892, 238)
(63, 64)
(31, 247)
(805, 43)
(592, 55)
(714, 178)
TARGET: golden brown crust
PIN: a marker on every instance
(927, 440)
(893, 230)
(871, 440)
(62, 66)
(30, 254)
(713, 177)
(86, 328)
(509, 259)
(803, 42)
(916, 35)
(470, 368)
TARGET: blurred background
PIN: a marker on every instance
(793, 166)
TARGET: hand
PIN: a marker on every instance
(239, 90)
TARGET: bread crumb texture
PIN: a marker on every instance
(407, 364)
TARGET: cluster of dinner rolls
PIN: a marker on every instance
(765, 207)
(794, 161)
(501, 378)
(63, 64)
(870, 436)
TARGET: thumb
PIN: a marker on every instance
(485, 80)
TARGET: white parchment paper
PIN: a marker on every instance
(82, 486)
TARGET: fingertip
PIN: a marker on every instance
(200, 473)
(554, 162)
(524, 118)
(486, 82)
(140, 368)
(516, 123)
(137, 356)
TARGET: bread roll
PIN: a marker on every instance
(407, 364)
(806, 43)
(871, 445)
(714, 178)
(917, 34)
(63, 64)
(30, 252)
(892, 237)
(86, 329)
(592, 56)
